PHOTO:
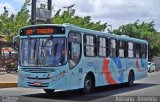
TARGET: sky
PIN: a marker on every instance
(112, 12)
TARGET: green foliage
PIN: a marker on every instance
(144, 31)
(10, 24)
(84, 22)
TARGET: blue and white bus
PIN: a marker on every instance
(66, 57)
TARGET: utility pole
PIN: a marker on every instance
(49, 8)
(42, 13)
(33, 12)
(69, 8)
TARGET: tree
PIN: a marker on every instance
(68, 16)
(144, 31)
(11, 23)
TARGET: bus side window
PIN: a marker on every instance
(90, 49)
(102, 47)
(137, 50)
(121, 48)
(74, 48)
(130, 49)
(113, 48)
(143, 51)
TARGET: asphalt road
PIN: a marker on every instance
(147, 87)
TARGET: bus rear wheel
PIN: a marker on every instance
(49, 91)
(130, 79)
(88, 85)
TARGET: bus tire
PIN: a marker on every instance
(88, 84)
(130, 79)
(49, 91)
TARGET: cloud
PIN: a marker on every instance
(116, 12)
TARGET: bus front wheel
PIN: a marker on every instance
(88, 85)
(49, 91)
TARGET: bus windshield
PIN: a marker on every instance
(43, 52)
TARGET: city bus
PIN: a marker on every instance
(67, 57)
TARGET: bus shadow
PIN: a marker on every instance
(100, 92)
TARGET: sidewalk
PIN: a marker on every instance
(8, 80)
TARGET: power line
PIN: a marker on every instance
(142, 11)
(62, 4)
(133, 5)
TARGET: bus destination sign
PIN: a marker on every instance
(42, 30)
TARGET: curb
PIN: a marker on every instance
(8, 84)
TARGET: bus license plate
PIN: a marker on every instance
(37, 83)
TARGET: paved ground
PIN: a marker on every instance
(5, 77)
(8, 80)
(149, 86)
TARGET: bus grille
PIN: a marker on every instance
(37, 70)
(38, 78)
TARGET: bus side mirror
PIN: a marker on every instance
(15, 46)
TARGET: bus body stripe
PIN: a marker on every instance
(119, 66)
(106, 70)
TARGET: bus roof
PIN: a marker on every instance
(89, 31)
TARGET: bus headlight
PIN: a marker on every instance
(59, 76)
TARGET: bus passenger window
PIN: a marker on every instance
(89, 45)
(137, 51)
(130, 50)
(102, 47)
(143, 51)
(113, 48)
(121, 48)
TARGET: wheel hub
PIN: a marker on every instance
(88, 84)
